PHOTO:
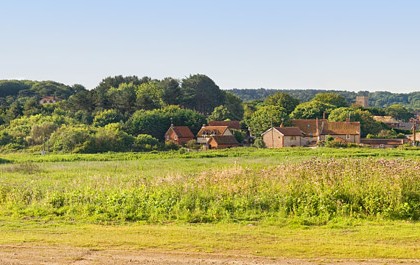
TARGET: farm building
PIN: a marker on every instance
(277, 137)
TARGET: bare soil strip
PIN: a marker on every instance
(28, 255)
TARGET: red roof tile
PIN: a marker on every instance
(230, 124)
(212, 130)
(183, 131)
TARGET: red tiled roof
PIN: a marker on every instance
(308, 127)
(183, 131)
(225, 140)
(230, 124)
(325, 127)
(341, 128)
(289, 131)
(212, 130)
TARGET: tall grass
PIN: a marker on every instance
(309, 190)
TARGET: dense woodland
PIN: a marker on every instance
(128, 113)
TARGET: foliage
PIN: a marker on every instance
(157, 122)
(201, 94)
(283, 100)
(376, 99)
(105, 117)
(145, 142)
(149, 96)
(367, 123)
(331, 98)
(265, 117)
(220, 113)
(70, 138)
(399, 112)
(311, 110)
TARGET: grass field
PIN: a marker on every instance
(351, 203)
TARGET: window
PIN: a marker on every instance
(293, 138)
(347, 136)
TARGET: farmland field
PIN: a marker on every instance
(290, 203)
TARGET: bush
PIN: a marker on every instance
(145, 142)
(259, 143)
(69, 138)
(109, 138)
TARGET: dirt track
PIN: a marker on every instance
(19, 255)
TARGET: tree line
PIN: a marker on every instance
(381, 99)
(128, 113)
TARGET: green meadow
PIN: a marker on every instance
(354, 203)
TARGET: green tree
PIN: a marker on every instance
(123, 98)
(367, 124)
(70, 138)
(265, 117)
(40, 133)
(311, 110)
(332, 99)
(200, 93)
(105, 117)
(109, 138)
(220, 113)
(145, 142)
(149, 96)
(171, 91)
(31, 107)
(156, 122)
(234, 106)
(283, 100)
(399, 112)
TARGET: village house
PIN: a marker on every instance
(388, 121)
(278, 137)
(48, 100)
(211, 137)
(179, 134)
(315, 130)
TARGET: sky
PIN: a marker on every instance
(354, 45)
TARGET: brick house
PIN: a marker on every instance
(179, 134)
(278, 137)
(315, 130)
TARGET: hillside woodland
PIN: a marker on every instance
(128, 113)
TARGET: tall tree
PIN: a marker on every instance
(367, 124)
(201, 94)
(331, 98)
(311, 110)
(265, 117)
(171, 91)
(283, 100)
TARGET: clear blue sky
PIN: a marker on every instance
(330, 44)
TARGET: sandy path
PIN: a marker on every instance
(25, 255)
